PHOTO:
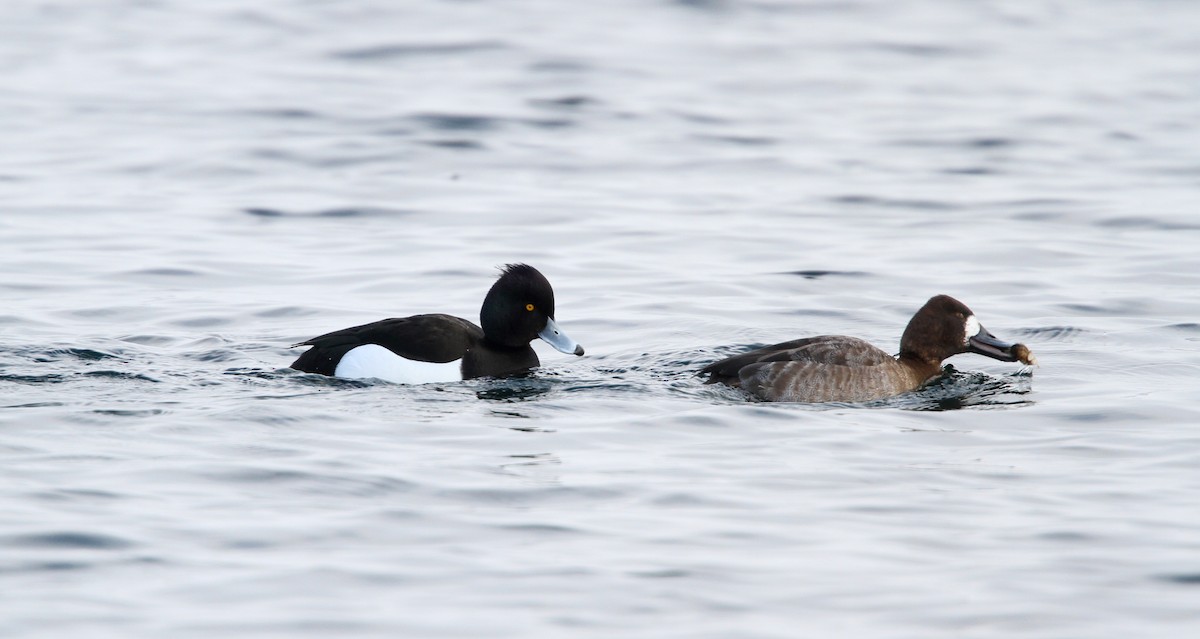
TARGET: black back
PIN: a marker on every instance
(424, 338)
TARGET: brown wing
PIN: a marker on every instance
(837, 350)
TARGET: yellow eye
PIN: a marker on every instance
(529, 307)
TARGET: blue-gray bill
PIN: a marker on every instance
(555, 337)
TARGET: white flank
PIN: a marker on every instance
(374, 361)
(971, 328)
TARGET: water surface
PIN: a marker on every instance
(189, 188)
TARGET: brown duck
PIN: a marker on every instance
(836, 368)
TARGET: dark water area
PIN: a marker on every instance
(186, 189)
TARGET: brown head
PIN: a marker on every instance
(945, 327)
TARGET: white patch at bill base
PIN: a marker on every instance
(971, 328)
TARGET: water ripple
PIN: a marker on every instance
(565, 102)
(120, 375)
(1146, 223)
(85, 354)
(312, 482)
(345, 212)
(896, 203)
(1185, 579)
(407, 50)
(818, 274)
(51, 378)
(924, 50)
(1049, 333)
(69, 539)
(460, 145)
(457, 121)
(957, 390)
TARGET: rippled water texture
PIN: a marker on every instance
(186, 188)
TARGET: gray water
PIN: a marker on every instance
(187, 188)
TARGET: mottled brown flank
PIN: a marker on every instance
(830, 368)
(777, 381)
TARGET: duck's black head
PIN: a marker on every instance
(520, 308)
(945, 326)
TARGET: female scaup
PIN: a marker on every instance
(835, 368)
(441, 348)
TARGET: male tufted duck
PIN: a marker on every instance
(441, 348)
(835, 368)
